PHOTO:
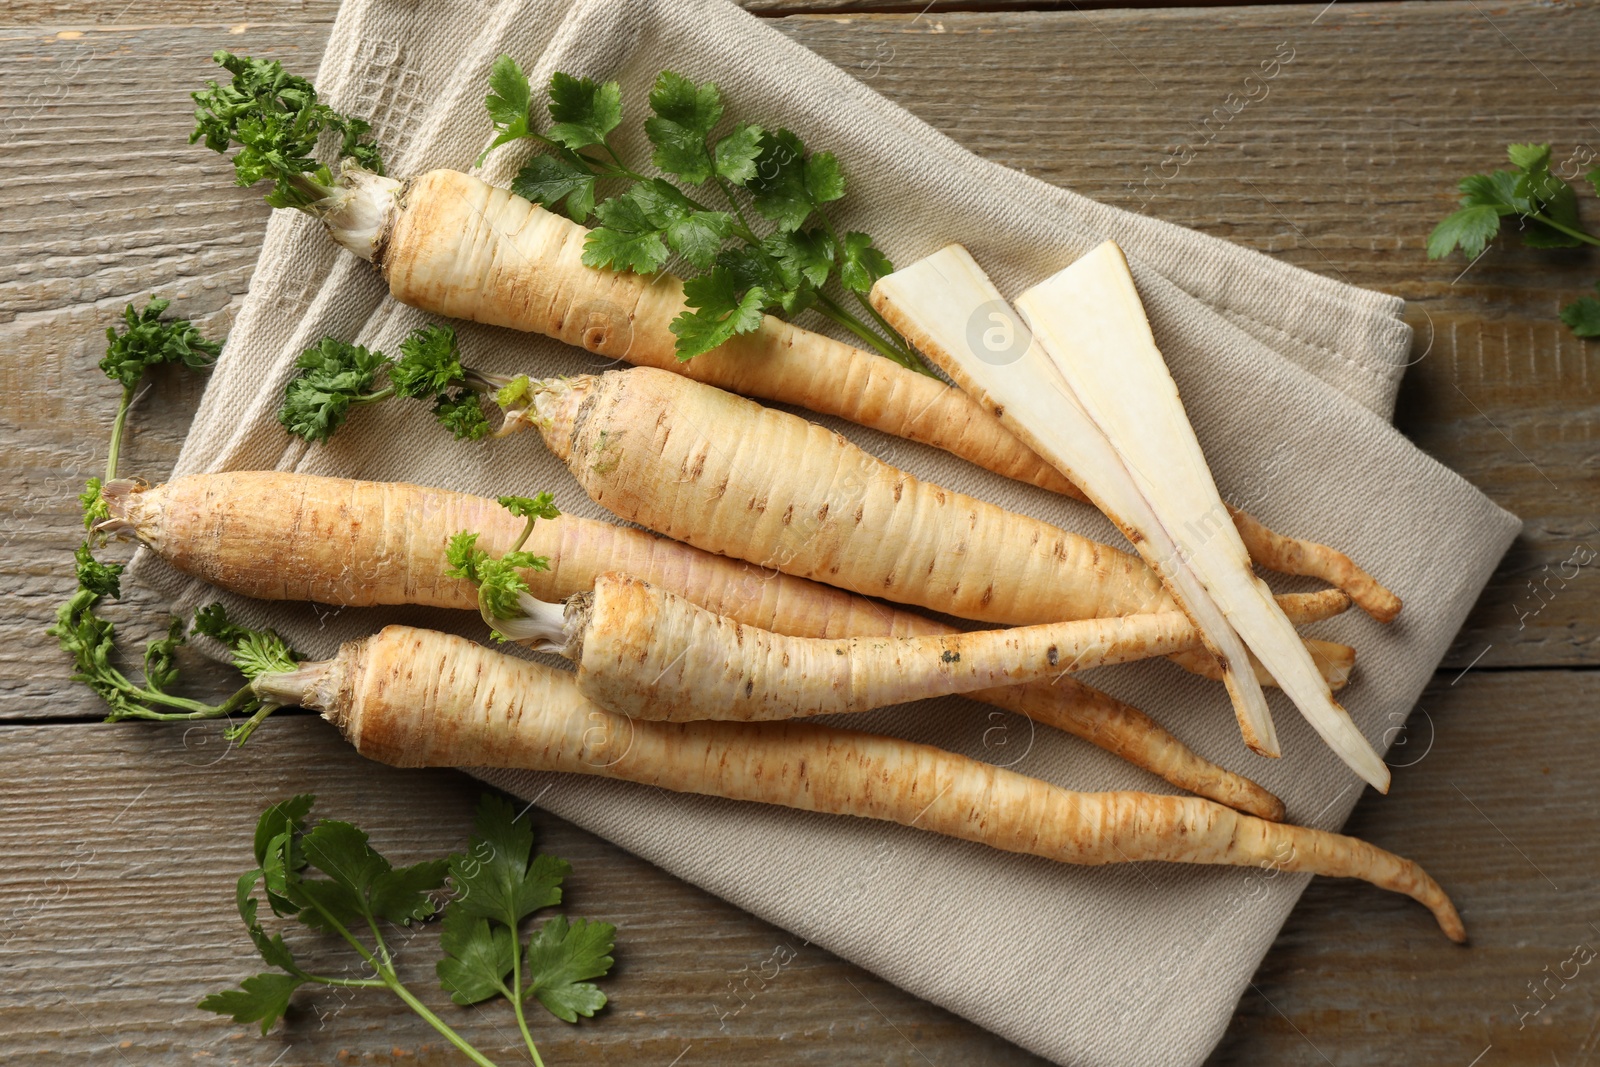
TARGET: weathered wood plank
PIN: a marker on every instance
(1333, 170)
(118, 915)
(115, 838)
(78, 13)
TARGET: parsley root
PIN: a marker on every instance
(415, 698)
(663, 451)
(353, 543)
(645, 652)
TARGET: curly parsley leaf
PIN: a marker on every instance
(100, 579)
(255, 652)
(429, 363)
(462, 414)
(1583, 316)
(538, 506)
(334, 374)
(584, 111)
(719, 312)
(145, 341)
(560, 959)
(93, 504)
(276, 120)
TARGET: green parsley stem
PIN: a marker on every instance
(894, 335)
(437, 1023)
(831, 308)
(348, 983)
(527, 531)
(387, 977)
(515, 996)
(241, 733)
(372, 398)
(116, 431)
(1568, 230)
(192, 709)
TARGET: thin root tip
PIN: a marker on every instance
(1450, 921)
(1385, 607)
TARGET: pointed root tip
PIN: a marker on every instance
(1381, 605)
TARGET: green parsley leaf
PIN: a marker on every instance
(557, 182)
(429, 363)
(499, 877)
(464, 557)
(478, 957)
(264, 997)
(1583, 316)
(276, 120)
(255, 652)
(584, 111)
(685, 115)
(720, 312)
(509, 100)
(824, 180)
(272, 949)
(160, 665)
(1470, 228)
(539, 506)
(736, 154)
(860, 264)
(462, 414)
(361, 883)
(778, 186)
(638, 228)
(145, 341)
(514, 391)
(559, 959)
(94, 506)
(333, 375)
(802, 255)
(100, 579)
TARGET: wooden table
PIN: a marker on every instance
(120, 844)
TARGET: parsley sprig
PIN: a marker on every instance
(1545, 207)
(750, 172)
(336, 376)
(499, 581)
(495, 886)
(276, 120)
(146, 341)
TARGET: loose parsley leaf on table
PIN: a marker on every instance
(1544, 207)
(495, 886)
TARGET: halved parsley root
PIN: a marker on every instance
(646, 652)
(668, 453)
(451, 244)
(385, 543)
(415, 698)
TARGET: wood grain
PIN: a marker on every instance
(1342, 169)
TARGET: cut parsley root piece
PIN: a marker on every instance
(1089, 320)
(645, 652)
(939, 303)
(415, 698)
(394, 540)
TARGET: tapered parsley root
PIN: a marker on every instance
(676, 456)
(415, 698)
(645, 652)
(354, 543)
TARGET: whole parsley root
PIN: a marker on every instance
(645, 652)
(663, 451)
(495, 886)
(415, 698)
(393, 546)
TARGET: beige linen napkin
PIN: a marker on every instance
(1125, 965)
